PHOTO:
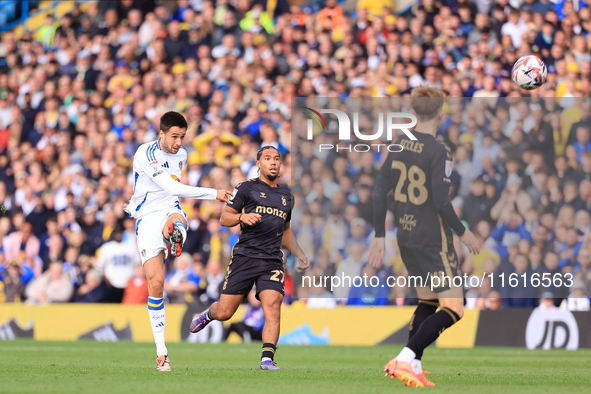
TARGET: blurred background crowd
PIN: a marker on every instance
(80, 94)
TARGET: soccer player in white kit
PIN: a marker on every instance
(161, 224)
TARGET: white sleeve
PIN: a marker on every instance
(162, 179)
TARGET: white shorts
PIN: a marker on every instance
(148, 230)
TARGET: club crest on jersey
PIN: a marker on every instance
(180, 165)
(144, 252)
(284, 201)
(449, 165)
(154, 165)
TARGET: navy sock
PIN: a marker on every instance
(431, 328)
(425, 309)
(268, 350)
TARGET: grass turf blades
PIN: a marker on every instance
(125, 367)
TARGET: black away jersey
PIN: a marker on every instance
(274, 204)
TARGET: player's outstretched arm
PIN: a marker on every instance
(294, 248)
(230, 217)
(180, 190)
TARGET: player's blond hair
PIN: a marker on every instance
(427, 102)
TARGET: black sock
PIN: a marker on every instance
(425, 309)
(431, 328)
(268, 350)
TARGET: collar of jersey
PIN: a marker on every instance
(265, 183)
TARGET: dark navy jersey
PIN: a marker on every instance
(420, 178)
(274, 204)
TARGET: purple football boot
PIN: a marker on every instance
(199, 322)
(269, 365)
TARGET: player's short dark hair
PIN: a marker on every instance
(172, 119)
(260, 152)
(427, 102)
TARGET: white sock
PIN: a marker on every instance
(406, 355)
(417, 366)
(158, 320)
(265, 359)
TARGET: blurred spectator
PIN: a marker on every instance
(214, 279)
(522, 294)
(349, 268)
(373, 291)
(136, 291)
(93, 290)
(477, 205)
(513, 198)
(251, 327)
(547, 300)
(181, 282)
(12, 283)
(492, 302)
(117, 261)
(578, 299)
(23, 245)
(52, 286)
(582, 270)
(318, 296)
(509, 232)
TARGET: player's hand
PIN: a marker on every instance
(377, 250)
(304, 264)
(250, 218)
(224, 195)
(471, 242)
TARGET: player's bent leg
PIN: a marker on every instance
(175, 233)
(222, 310)
(429, 331)
(453, 300)
(406, 366)
(428, 304)
(271, 301)
(426, 308)
(154, 269)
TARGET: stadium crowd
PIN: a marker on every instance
(81, 94)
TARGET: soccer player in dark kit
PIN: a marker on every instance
(263, 210)
(420, 176)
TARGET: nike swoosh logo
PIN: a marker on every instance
(278, 234)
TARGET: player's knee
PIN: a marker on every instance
(224, 314)
(459, 311)
(273, 311)
(274, 314)
(176, 217)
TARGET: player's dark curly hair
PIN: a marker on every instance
(172, 119)
(260, 152)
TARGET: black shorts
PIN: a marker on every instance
(432, 261)
(244, 271)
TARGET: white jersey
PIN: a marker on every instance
(117, 260)
(155, 189)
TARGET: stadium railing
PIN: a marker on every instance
(16, 12)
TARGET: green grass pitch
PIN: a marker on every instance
(93, 367)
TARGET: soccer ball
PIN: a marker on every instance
(529, 72)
